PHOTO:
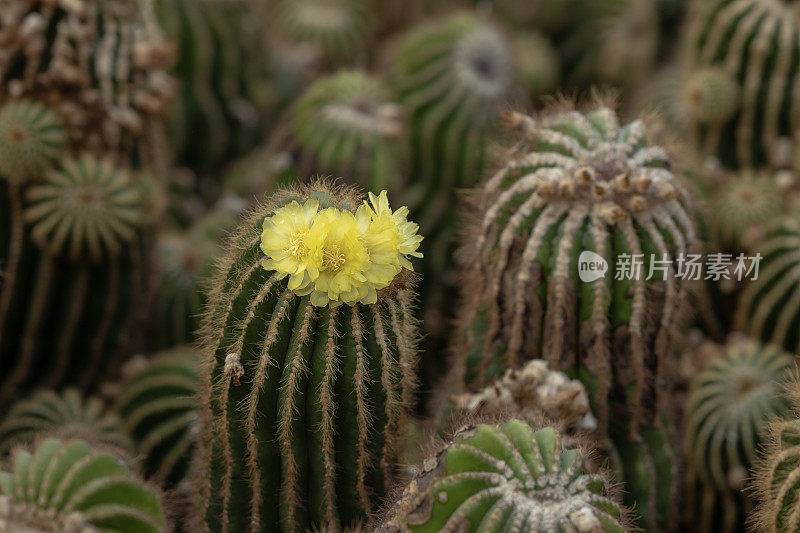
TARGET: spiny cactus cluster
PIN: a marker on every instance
(507, 478)
(727, 411)
(69, 487)
(302, 397)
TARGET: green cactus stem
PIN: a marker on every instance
(302, 403)
(583, 182)
(32, 139)
(66, 486)
(727, 411)
(157, 403)
(507, 478)
(66, 415)
(754, 43)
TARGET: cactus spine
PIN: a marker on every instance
(755, 43)
(726, 414)
(507, 478)
(66, 486)
(157, 403)
(769, 305)
(346, 125)
(73, 259)
(583, 182)
(303, 403)
(64, 415)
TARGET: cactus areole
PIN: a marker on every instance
(309, 353)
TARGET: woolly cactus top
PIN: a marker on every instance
(338, 255)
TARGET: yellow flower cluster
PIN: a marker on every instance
(336, 255)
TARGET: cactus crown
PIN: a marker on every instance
(66, 415)
(32, 138)
(88, 208)
(507, 478)
(711, 95)
(67, 483)
(769, 305)
(741, 384)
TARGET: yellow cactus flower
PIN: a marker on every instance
(344, 259)
(394, 228)
(291, 247)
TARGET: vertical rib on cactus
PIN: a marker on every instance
(770, 305)
(223, 72)
(507, 478)
(727, 411)
(63, 485)
(64, 415)
(73, 261)
(302, 404)
(757, 44)
(97, 63)
(582, 182)
(157, 403)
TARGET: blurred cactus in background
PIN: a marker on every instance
(507, 478)
(69, 487)
(584, 182)
(727, 411)
(157, 403)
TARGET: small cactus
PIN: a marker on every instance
(72, 250)
(507, 478)
(99, 64)
(727, 411)
(538, 62)
(32, 139)
(157, 404)
(754, 44)
(582, 182)
(774, 482)
(68, 487)
(345, 125)
(309, 356)
(66, 415)
(769, 304)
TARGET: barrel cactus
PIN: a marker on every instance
(752, 44)
(156, 402)
(582, 188)
(507, 478)
(224, 101)
(770, 302)
(452, 77)
(774, 482)
(727, 411)
(67, 486)
(538, 62)
(64, 415)
(99, 64)
(72, 251)
(314, 295)
(345, 125)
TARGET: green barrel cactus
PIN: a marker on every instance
(727, 411)
(65, 415)
(157, 404)
(754, 45)
(329, 33)
(583, 188)
(309, 358)
(507, 478)
(99, 64)
(774, 482)
(72, 251)
(224, 100)
(452, 76)
(769, 306)
(344, 125)
(66, 486)
(184, 263)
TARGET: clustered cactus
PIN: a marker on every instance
(308, 370)
(507, 478)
